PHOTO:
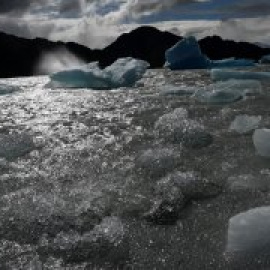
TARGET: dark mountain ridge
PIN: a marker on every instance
(19, 56)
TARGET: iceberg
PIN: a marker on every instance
(186, 54)
(249, 232)
(261, 140)
(265, 59)
(245, 123)
(124, 72)
(227, 92)
(223, 75)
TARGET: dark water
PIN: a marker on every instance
(81, 170)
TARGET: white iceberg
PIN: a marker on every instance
(265, 59)
(245, 123)
(186, 54)
(124, 72)
(8, 89)
(249, 232)
(223, 75)
(261, 140)
(227, 92)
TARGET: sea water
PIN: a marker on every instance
(80, 170)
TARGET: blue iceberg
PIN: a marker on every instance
(186, 54)
(6, 89)
(265, 59)
(223, 75)
(228, 92)
(124, 72)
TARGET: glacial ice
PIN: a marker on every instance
(223, 75)
(265, 59)
(228, 92)
(249, 232)
(170, 90)
(261, 140)
(186, 54)
(8, 89)
(245, 123)
(178, 128)
(124, 72)
(15, 145)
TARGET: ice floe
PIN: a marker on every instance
(224, 74)
(124, 72)
(170, 90)
(249, 232)
(261, 140)
(227, 92)
(245, 123)
(8, 89)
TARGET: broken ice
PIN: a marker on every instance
(245, 123)
(124, 72)
(261, 140)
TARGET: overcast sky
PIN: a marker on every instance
(96, 23)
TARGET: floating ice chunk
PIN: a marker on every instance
(223, 75)
(186, 54)
(245, 123)
(8, 89)
(177, 128)
(125, 72)
(157, 162)
(261, 140)
(169, 89)
(249, 232)
(231, 63)
(15, 145)
(228, 92)
(265, 59)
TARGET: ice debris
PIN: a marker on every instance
(186, 54)
(124, 72)
(157, 162)
(245, 123)
(15, 145)
(223, 75)
(249, 232)
(265, 59)
(174, 191)
(261, 140)
(8, 89)
(176, 127)
(227, 92)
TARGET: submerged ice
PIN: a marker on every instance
(124, 72)
(261, 140)
(245, 123)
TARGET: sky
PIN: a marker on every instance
(97, 23)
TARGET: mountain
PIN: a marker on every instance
(19, 56)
